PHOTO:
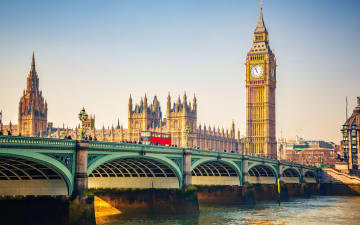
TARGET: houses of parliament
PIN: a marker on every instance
(180, 116)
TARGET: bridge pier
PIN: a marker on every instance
(187, 177)
(280, 169)
(302, 171)
(81, 178)
(245, 170)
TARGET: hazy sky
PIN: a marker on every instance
(96, 53)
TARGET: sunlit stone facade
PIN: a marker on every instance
(180, 115)
(32, 107)
(260, 95)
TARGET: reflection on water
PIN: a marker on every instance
(315, 210)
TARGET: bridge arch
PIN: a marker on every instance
(291, 175)
(262, 174)
(215, 172)
(134, 171)
(33, 174)
(310, 177)
(309, 173)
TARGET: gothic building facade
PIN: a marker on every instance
(181, 115)
(260, 95)
(32, 116)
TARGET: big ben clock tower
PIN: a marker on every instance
(260, 95)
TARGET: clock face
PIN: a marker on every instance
(257, 71)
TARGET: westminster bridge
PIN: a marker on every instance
(46, 166)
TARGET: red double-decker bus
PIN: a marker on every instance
(155, 138)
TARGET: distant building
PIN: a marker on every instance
(312, 156)
(308, 152)
(32, 107)
(351, 138)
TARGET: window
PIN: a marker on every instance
(137, 125)
(353, 133)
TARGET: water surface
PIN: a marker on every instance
(314, 210)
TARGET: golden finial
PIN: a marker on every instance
(261, 4)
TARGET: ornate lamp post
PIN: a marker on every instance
(187, 132)
(83, 116)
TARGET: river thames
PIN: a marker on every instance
(314, 210)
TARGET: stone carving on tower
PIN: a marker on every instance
(32, 114)
(143, 117)
(260, 95)
(179, 117)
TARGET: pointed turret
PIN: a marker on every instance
(32, 80)
(194, 103)
(260, 28)
(232, 132)
(156, 104)
(184, 99)
(33, 69)
(145, 102)
(118, 124)
(130, 103)
(178, 103)
(168, 103)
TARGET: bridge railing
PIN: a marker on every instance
(36, 142)
(99, 145)
(28, 142)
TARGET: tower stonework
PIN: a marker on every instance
(143, 117)
(179, 117)
(32, 107)
(260, 95)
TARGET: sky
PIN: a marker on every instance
(94, 54)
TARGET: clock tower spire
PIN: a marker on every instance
(260, 94)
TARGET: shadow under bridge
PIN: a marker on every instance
(21, 176)
(262, 174)
(215, 173)
(133, 173)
